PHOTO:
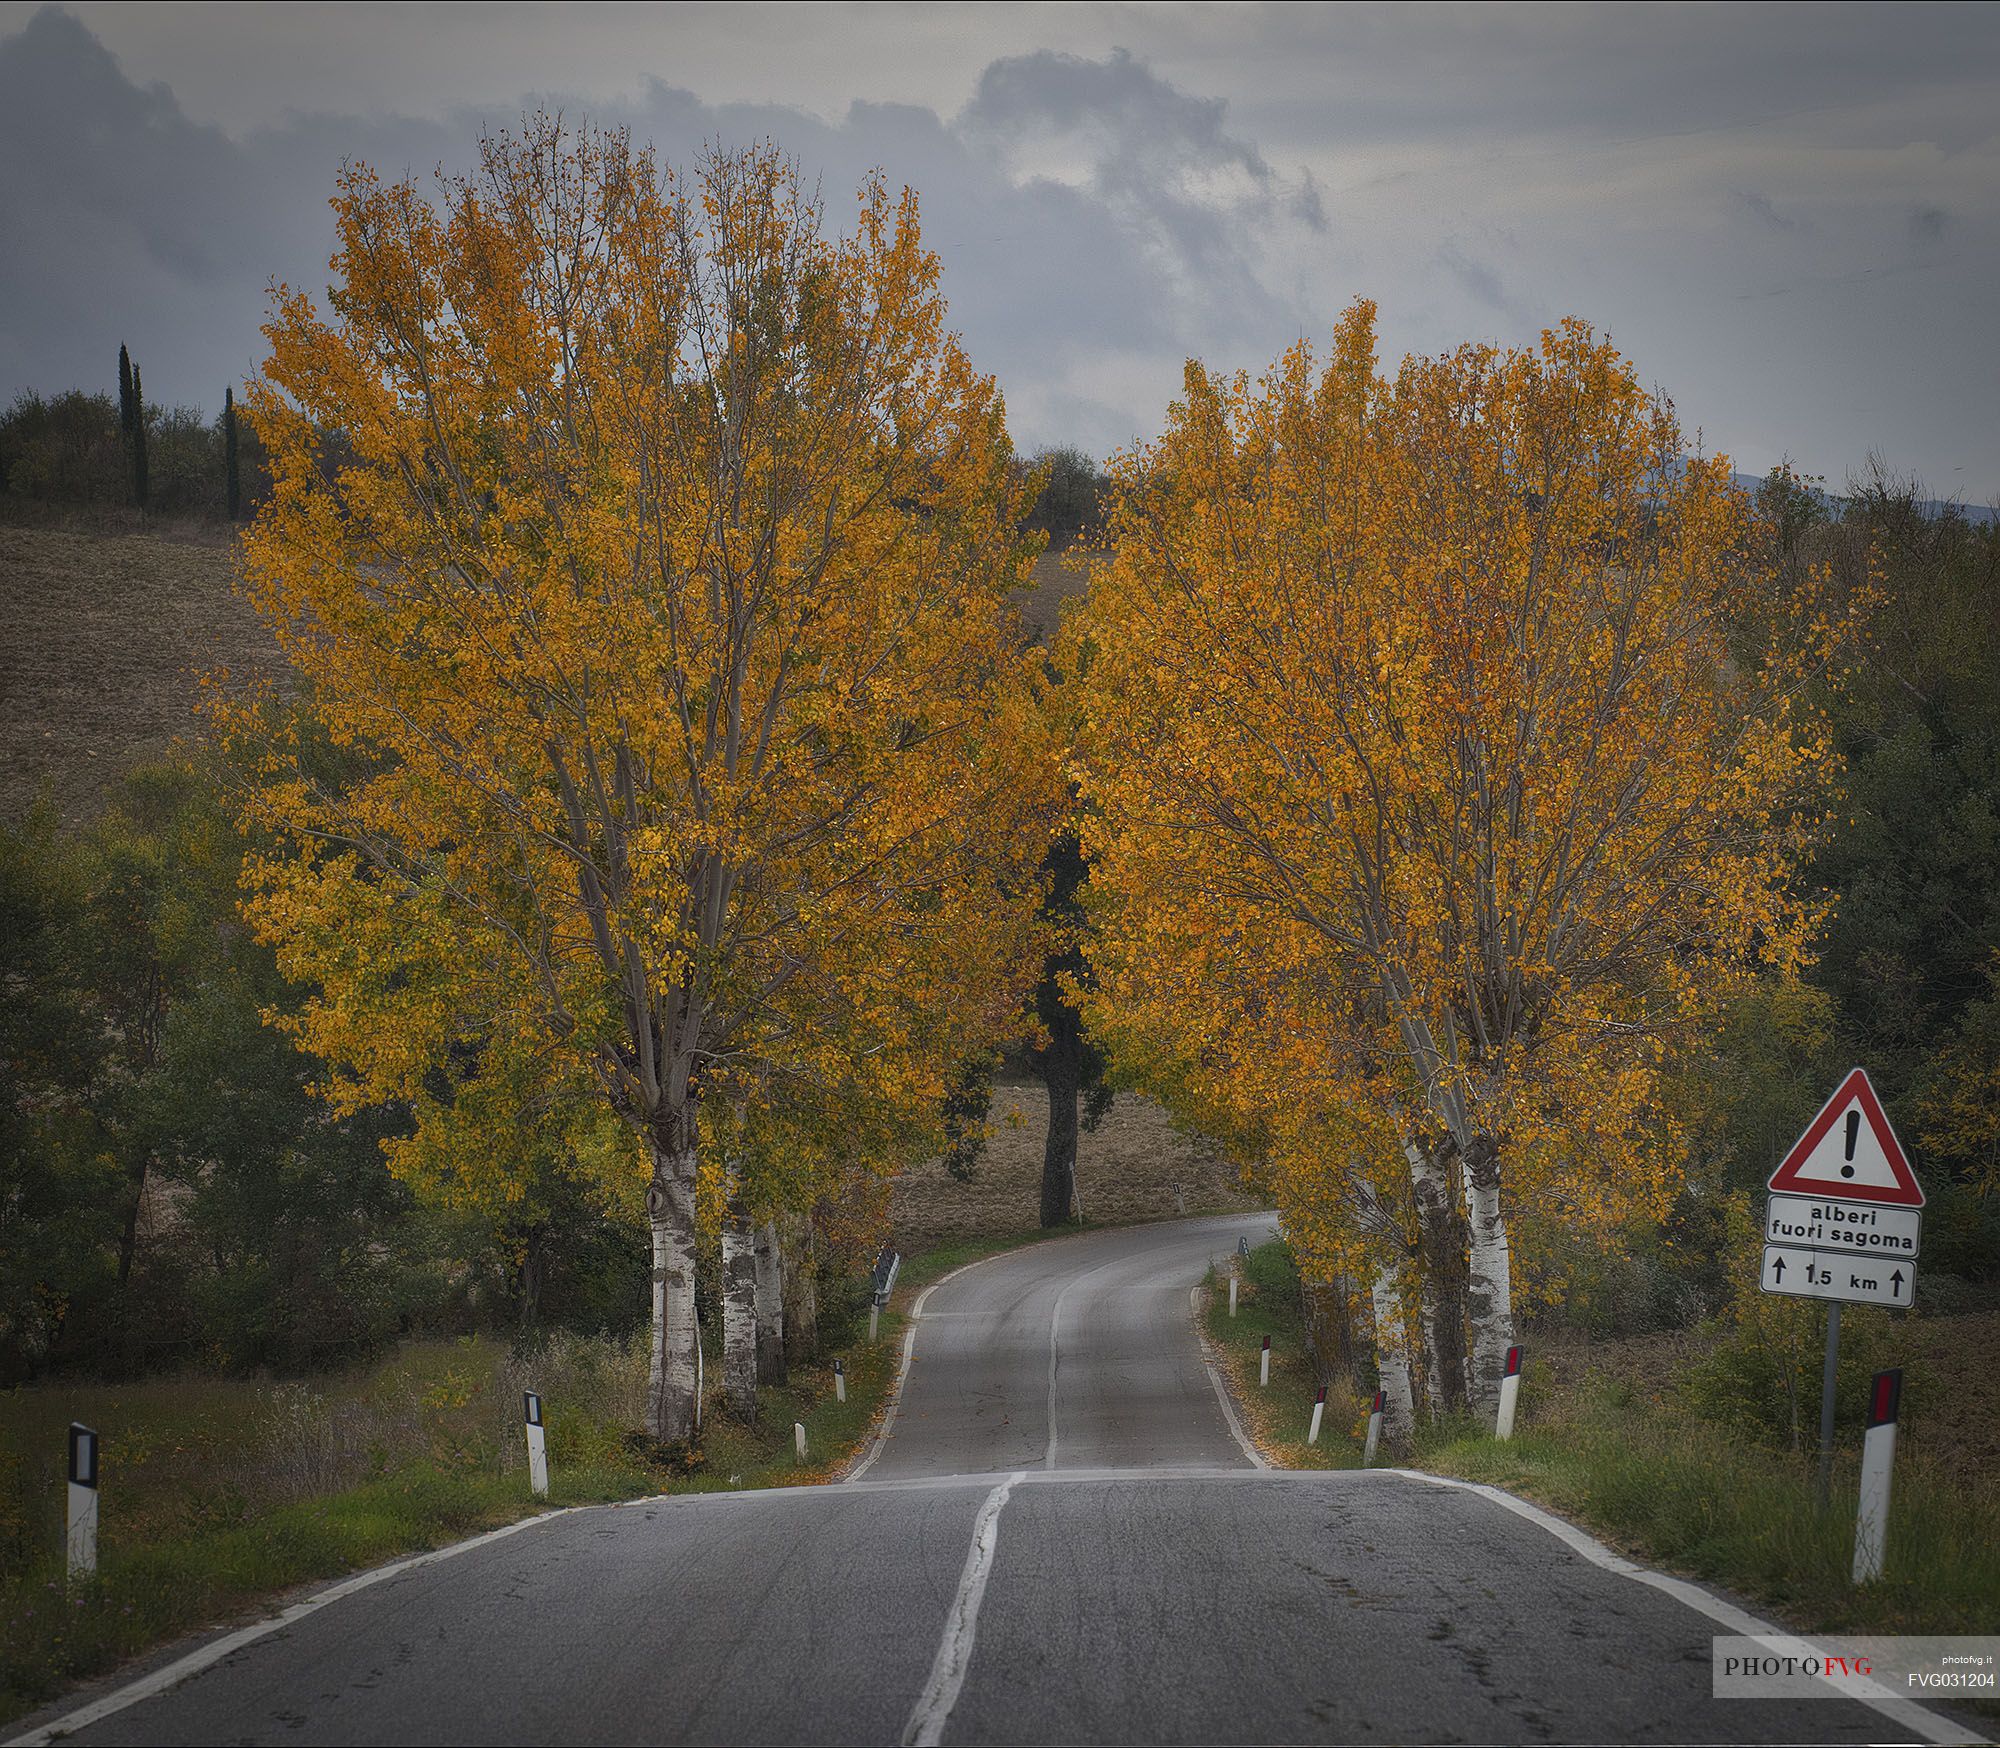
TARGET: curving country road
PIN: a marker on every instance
(1059, 1537)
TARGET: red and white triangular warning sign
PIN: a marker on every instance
(1849, 1153)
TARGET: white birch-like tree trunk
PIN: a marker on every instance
(672, 1414)
(770, 1302)
(1439, 1237)
(1489, 1283)
(739, 1309)
(1489, 1292)
(1392, 1356)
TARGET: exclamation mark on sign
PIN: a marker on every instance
(1853, 1135)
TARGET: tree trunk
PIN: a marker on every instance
(1062, 1074)
(128, 1237)
(1392, 1357)
(1489, 1287)
(739, 1310)
(1329, 1329)
(671, 1414)
(802, 1299)
(770, 1280)
(1441, 1245)
(534, 1264)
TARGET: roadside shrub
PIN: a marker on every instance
(1762, 1372)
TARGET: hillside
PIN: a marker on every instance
(104, 635)
(103, 638)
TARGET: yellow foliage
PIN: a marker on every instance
(643, 551)
(1426, 787)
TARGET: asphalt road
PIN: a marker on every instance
(1060, 1539)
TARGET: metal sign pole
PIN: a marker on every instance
(1827, 1376)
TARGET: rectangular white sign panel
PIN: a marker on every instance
(1801, 1272)
(1829, 1224)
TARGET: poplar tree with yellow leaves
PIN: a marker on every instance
(1428, 698)
(645, 545)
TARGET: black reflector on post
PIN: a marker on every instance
(531, 1405)
(82, 1455)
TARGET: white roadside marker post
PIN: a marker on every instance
(1374, 1430)
(1319, 1408)
(1878, 1455)
(839, 1382)
(538, 1447)
(799, 1438)
(874, 1321)
(1232, 1295)
(1264, 1365)
(1510, 1392)
(82, 1501)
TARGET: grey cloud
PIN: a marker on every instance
(132, 223)
(1475, 276)
(1760, 208)
(1611, 72)
(1928, 224)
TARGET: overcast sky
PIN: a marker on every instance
(1789, 217)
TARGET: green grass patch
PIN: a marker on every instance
(1709, 1502)
(219, 1493)
(1656, 1479)
(1279, 1414)
(56, 1634)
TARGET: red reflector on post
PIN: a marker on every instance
(1886, 1398)
(1376, 1406)
(1320, 1394)
(1513, 1362)
(1267, 1342)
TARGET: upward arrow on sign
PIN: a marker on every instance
(1849, 1153)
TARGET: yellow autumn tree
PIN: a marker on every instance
(1430, 697)
(644, 546)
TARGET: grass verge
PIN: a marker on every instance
(1708, 1502)
(1656, 1481)
(1278, 1415)
(220, 1494)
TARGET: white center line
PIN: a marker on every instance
(954, 1653)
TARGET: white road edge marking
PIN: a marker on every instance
(1215, 1380)
(207, 1656)
(954, 1653)
(1905, 1714)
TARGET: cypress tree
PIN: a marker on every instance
(138, 440)
(235, 484)
(125, 396)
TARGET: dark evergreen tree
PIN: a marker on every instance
(234, 485)
(1071, 1066)
(125, 419)
(138, 440)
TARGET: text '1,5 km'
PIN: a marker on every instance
(1824, 1274)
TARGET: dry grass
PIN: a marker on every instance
(1137, 1166)
(102, 638)
(104, 630)
(1951, 1393)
